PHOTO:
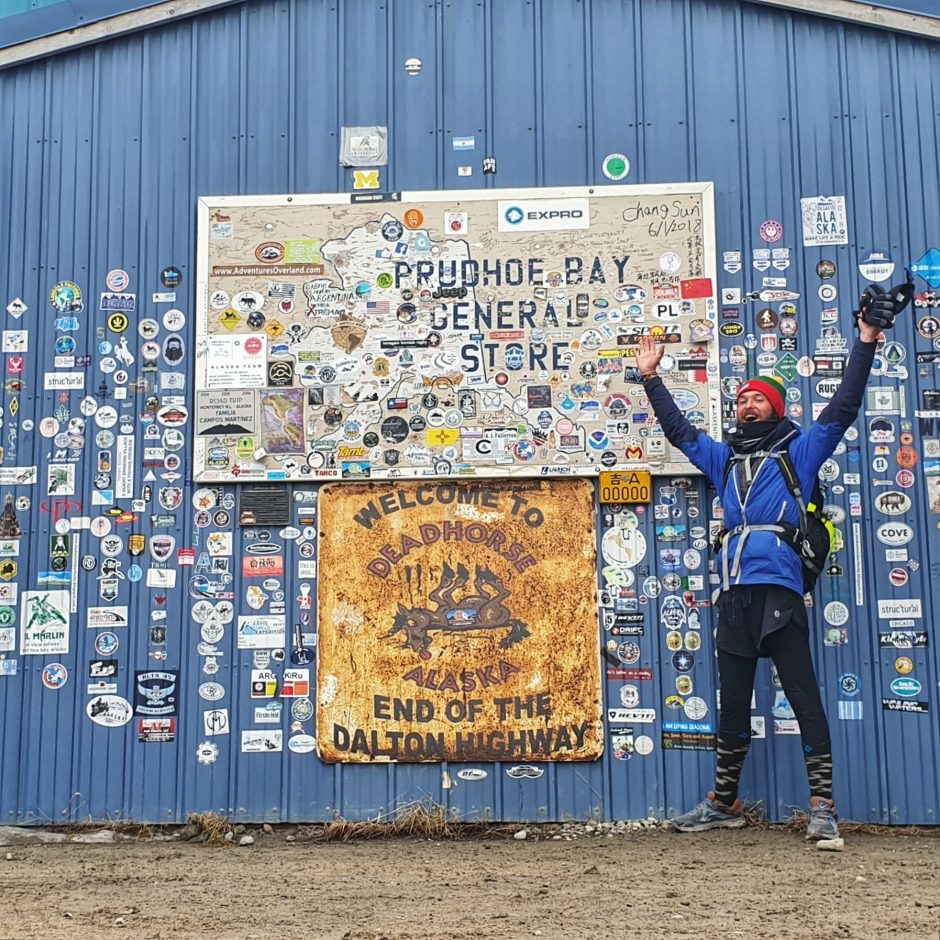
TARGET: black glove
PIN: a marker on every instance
(878, 307)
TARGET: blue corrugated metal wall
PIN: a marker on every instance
(106, 149)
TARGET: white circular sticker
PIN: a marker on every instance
(106, 417)
(62, 526)
(174, 320)
(669, 262)
(836, 613)
(112, 545)
(48, 427)
(827, 292)
(202, 611)
(623, 547)
(695, 708)
(643, 745)
(100, 526)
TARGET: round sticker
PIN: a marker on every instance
(898, 577)
(643, 745)
(100, 526)
(174, 320)
(771, 230)
(836, 613)
(54, 676)
(616, 166)
(48, 427)
(106, 417)
(904, 665)
(669, 262)
(117, 280)
(106, 643)
(695, 708)
(623, 547)
(628, 653)
(827, 292)
(683, 661)
(117, 322)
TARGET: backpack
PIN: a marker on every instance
(813, 539)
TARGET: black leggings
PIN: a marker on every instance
(788, 647)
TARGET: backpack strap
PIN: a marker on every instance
(795, 536)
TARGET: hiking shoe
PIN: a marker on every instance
(823, 821)
(709, 814)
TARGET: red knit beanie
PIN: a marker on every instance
(770, 387)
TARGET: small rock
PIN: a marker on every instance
(556, 838)
(119, 922)
(246, 840)
(830, 845)
(230, 836)
(521, 835)
(291, 839)
(268, 828)
(9, 856)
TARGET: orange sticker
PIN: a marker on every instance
(414, 218)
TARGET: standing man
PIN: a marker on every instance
(761, 611)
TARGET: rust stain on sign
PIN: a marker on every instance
(457, 621)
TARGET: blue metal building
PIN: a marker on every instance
(119, 115)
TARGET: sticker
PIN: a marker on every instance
(109, 711)
(771, 231)
(616, 166)
(207, 752)
(836, 613)
(876, 265)
(54, 676)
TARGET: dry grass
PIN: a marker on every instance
(799, 819)
(136, 832)
(418, 820)
(208, 828)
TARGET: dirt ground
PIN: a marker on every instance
(639, 885)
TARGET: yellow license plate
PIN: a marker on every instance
(631, 486)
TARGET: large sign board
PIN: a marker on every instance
(458, 622)
(474, 333)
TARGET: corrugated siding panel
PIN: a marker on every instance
(108, 148)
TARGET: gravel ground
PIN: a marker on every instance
(572, 881)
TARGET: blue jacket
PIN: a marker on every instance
(763, 558)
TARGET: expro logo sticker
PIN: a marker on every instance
(543, 215)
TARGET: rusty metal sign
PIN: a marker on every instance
(457, 621)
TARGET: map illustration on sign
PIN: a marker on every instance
(480, 333)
